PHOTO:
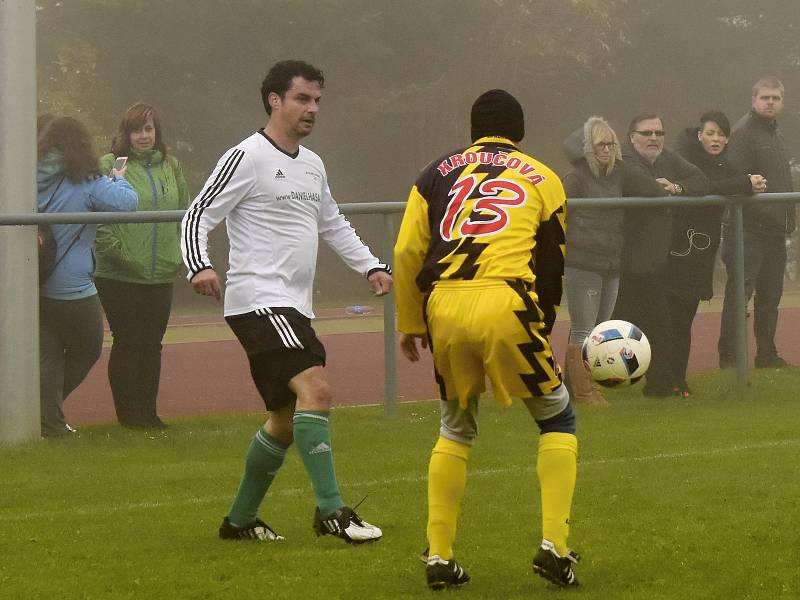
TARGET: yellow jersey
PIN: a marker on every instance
(488, 211)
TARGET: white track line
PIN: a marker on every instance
(297, 491)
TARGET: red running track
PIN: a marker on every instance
(213, 377)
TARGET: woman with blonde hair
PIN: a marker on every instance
(594, 240)
(137, 266)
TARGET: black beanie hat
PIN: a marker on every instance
(497, 113)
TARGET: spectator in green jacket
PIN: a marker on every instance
(137, 264)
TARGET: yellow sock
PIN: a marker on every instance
(557, 468)
(447, 478)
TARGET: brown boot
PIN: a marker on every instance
(581, 386)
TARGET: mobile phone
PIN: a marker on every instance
(119, 164)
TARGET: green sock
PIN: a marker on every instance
(313, 437)
(264, 459)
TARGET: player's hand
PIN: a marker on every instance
(408, 345)
(380, 282)
(206, 283)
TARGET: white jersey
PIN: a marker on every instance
(276, 207)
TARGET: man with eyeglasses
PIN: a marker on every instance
(643, 297)
(757, 146)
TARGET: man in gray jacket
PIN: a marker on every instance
(757, 146)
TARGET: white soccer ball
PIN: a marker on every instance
(616, 353)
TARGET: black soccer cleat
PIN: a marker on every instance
(556, 569)
(442, 574)
(258, 530)
(346, 524)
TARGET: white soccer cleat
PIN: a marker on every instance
(346, 524)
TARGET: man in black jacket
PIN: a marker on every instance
(757, 146)
(643, 289)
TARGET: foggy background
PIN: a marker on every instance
(401, 76)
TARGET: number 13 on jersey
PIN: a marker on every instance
(497, 196)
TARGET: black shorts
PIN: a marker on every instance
(280, 343)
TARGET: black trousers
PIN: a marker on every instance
(643, 301)
(682, 310)
(764, 266)
(70, 341)
(137, 314)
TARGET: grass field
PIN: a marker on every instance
(676, 499)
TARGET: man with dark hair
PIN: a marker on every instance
(282, 74)
(274, 195)
(646, 234)
(757, 146)
(480, 258)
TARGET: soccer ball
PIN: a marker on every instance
(616, 353)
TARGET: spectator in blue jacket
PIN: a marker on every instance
(70, 316)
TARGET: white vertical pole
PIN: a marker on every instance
(19, 276)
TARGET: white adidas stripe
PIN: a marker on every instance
(206, 197)
(281, 331)
(282, 326)
(264, 312)
(289, 331)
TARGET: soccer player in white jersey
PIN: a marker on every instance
(274, 195)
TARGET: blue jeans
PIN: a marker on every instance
(590, 298)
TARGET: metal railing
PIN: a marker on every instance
(389, 209)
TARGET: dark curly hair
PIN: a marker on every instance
(279, 79)
(70, 138)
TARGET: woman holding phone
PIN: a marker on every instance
(70, 317)
(137, 266)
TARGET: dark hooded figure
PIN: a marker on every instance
(696, 232)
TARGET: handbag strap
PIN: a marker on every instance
(71, 244)
(74, 239)
(53, 195)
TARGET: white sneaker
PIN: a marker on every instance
(346, 524)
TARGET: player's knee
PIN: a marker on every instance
(323, 394)
(459, 425)
(563, 422)
(316, 396)
(280, 427)
(460, 435)
(457, 448)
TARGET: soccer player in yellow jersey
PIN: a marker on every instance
(479, 262)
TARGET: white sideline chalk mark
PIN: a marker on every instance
(297, 491)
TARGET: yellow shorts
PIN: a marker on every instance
(480, 328)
